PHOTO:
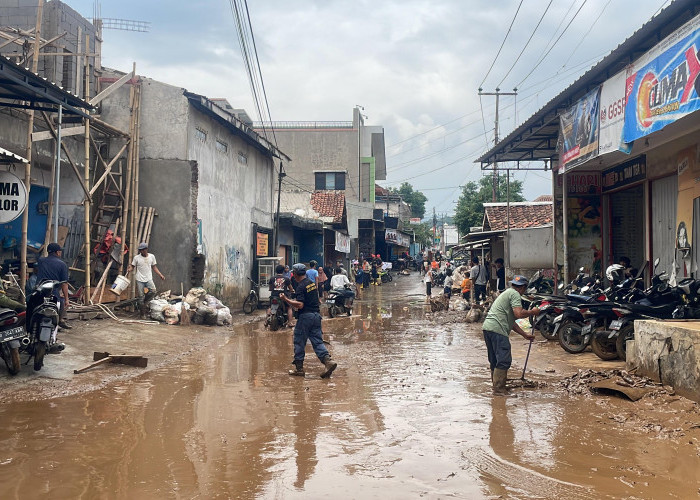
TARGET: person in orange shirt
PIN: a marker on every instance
(466, 288)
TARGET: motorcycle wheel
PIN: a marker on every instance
(250, 304)
(388, 277)
(332, 311)
(547, 330)
(603, 347)
(570, 338)
(11, 358)
(349, 312)
(39, 353)
(274, 323)
(626, 333)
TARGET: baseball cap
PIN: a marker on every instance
(53, 248)
(299, 269)
(143, 246)
(519, 281)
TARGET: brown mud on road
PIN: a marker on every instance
(408, 413)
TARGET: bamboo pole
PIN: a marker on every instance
(28, 154)
(135, 174)
(86, 180)
(49, 212)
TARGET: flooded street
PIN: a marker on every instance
(408, 413)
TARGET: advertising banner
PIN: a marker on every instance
(612, 115)
(580, 183)
(624, 174)
(262, 244)
(664, 84)
(394, 237)
(342, 242)
(13, 197)
(579, 130)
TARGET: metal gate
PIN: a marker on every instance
(664, 201)
(627, 225)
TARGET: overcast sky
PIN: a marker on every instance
(415, 66)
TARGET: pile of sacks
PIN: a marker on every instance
(197, 307)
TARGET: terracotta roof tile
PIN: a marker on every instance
(329, 204)
(544, 197)
(521, 216)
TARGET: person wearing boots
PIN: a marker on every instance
(499, 321)
(308, 327)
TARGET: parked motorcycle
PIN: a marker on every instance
(338, 303)
(385, 275)
(277, 315)
(12, 334)
(42, 322)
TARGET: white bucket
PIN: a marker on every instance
(119, 285)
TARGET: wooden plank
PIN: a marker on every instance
(65, 132)
(111, 89)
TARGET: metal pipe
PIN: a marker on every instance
(565, 225)
(58, 173)
(554, 233)
(507, 245)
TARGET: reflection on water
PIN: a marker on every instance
(407, 413)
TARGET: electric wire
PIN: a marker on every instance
(553, 45)
(585, 35)
(502, 43)
(527, 43)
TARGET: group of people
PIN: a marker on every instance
(473, 277)
(367, 272)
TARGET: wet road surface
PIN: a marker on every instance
(407, 414)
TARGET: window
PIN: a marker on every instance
(200, 134)
(330, 180)
(221, 146)
(242, 158)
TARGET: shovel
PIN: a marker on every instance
(105, 357)
(528, 354)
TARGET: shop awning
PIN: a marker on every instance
(20, 88)
(9, 157)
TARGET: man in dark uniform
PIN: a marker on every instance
(308, 325)
(52, 267)
(279, 284)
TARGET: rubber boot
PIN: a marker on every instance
(299, 369)
(330, 366)
(499, 382)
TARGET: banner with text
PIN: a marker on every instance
(612, 115)
(579, 130)
(342, 242)
(664, 84)
(394, 237)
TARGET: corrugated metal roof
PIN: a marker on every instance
(536, 138)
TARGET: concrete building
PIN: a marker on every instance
(210, 178)
(335, 156)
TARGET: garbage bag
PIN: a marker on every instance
(194, 296)
(223, 316)
(156, 307)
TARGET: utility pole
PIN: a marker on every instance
(434, 227)
(498, 93)
(281, 175)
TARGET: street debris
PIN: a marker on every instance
(623, 382)
(196, 307)
(105, 357)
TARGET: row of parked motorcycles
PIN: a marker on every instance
(32, 331)
(587, 313)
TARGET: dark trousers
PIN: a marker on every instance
(308, 327)
(498, 347)
(479, 292)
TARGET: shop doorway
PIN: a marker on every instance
(627, 226)
(664, 202)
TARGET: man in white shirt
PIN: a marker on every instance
(145, 264)
(338, 283)
(479, 276)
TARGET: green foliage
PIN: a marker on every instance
(414, 198)
(424, 233)
(470, 206)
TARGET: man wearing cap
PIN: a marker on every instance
(308, 325)
(52, 267)
(145, 264)
(499, 321)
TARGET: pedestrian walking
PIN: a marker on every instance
(480, 276)
(322, 279)
(428, 283)
(366, 271)
(312, 272)
(145, 265)
(448, 283)
(308, 327)
(53, 268)
(499, 321)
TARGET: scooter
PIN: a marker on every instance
(42, 322)
(277, 315)
(12, 335)
(338, 303)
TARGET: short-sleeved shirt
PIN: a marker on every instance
(143, 265)
(429, 276)
(339, 281)
(307, 292)
(278, 284)
(448, 282)
(312, 274)
(501, 317)
(51, 268)
(466, 285)
(479, 275)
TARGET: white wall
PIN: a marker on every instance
(531, 248)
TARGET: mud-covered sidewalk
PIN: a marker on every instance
(408, 413)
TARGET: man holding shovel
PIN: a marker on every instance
(499, 321)
(145, 264)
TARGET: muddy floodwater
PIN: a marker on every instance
(407, 414)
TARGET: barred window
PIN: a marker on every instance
(200, 134)
(221, 146)
(242, 158)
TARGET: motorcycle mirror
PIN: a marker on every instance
(561, 286)
(580, 269)
(656, 262)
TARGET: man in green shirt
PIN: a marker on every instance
(497, 326)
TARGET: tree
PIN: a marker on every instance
(414, 198)
(424, 233)
(470, 206)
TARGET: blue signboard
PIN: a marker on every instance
(664, 85)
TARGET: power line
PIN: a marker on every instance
(502, 43)
(553, 45)
(527, 43)
(571, 54)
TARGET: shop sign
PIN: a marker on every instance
(579, 183)
(13, 197)
(414, 220)
(342, 242)
(262, 246)
(579, 130)
(625, 174)
(664, 84)
(395, 237)
(612, 115)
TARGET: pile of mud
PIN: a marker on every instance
(631, 385)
